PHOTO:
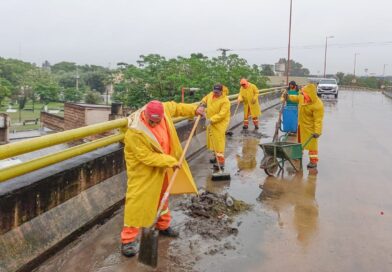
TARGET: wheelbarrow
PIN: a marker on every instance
(277, 153)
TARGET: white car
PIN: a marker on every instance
(328, 86)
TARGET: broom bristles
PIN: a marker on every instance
(220, 176)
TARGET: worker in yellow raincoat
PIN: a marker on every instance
(225, 90)
(217, 107)
(152, 149)
(310, 120)
(249, 95)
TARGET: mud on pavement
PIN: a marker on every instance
(210, 218)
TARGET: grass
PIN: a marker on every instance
(28, 114)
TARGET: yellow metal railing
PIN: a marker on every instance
(26, 146)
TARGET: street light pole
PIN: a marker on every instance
(289, 46)
(325, 55)
(383, 70)
(355, 62)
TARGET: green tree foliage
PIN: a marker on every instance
(161, 78)
(368, 82)
(45, 87)
(296, 68)
(14, 70)
(92, 97)
(64, 66)
(5, 89)
(73, 95)
(95, 80)
(267, 70)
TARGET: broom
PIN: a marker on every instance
(230, 133)
(218, 175)
(148, 254)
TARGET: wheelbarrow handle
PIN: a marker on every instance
(308, 141)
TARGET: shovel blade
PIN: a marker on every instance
(148, 253)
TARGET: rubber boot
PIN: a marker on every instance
(216, 167)
(169, 232)
(312, 165)
(213, 160)
(130, 249)
(245, 127)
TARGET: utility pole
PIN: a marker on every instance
(325, 55)
(383, 70)
(355, 62)
(289, 45)
(224, 50)
(77, 79)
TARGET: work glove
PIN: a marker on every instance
(201, 110)
(207, 122)
(315, 135)
(177, 166)
(285, 96)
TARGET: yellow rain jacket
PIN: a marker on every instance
(218, 111)
(247, 95)
(310, 115)
(147, 165)
(225, 90)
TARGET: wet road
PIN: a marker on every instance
(338, 220)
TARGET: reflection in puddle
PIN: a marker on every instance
(248, 158)
(293, 197)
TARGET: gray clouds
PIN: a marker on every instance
(109, 31)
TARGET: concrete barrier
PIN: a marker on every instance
(44, 210)
(388, 93)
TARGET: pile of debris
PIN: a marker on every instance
(212, 214)
(210, 205)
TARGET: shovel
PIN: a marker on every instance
(148, 253)
(230, 133)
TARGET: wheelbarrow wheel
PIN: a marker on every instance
(271, 166)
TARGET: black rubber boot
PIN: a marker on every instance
(213, 160)
(311, 165)
(245, 127)
(216, 167)
(130, 249)
(169, 232)
(256, 127)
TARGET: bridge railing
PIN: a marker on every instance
(22, 147)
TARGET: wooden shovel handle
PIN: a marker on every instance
(173, 177)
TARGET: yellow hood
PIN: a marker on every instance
(311, 90)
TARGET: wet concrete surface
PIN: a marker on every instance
(337, 220)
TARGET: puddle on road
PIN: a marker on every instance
(293, 198)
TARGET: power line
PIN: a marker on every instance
(337, 45)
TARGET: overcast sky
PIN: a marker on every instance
(105, 32)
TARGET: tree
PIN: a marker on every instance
(95, 80)
(5, 89)
(156, 77)
(93, 97)
(340, 76)
(73, 95)
(45, 87)
(267, 70)
(64, 66)
(296, 68)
